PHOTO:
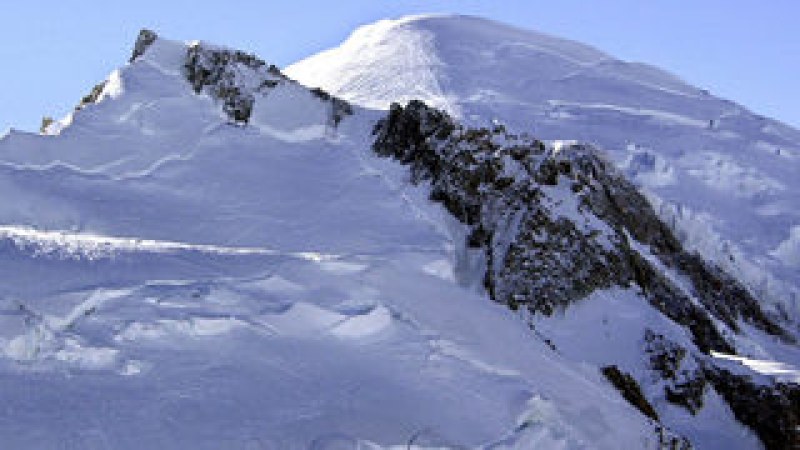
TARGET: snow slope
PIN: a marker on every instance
(724, 178)
(172, 279)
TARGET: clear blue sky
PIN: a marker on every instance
(53, 52)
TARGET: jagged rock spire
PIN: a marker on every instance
(145, 39)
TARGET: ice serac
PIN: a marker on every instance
(723, 178)
(207, 254)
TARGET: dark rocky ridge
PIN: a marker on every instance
(215, 69)
(237, 79)
(510, 192)
(501, 186)
(92, 96)
(232, 77)
(145, 39)
(630, 390)
(772, 411)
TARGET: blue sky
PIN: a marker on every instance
(54, 52)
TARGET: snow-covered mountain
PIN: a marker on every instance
(174, 279)
(209, 254)
(724, 178)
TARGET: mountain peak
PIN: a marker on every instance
(448, 60)
(236, 81)
(481, 71)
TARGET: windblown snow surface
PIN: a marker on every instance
(172, 280)
(724, 178)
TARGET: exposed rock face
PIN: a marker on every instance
(92, 96)
(630, 390)
(665, 356)
(144, 40)
(504, 192)
(772, 410)
(46, 122)
(219, 70)
(559, 223)
(682, 386)
(340, 108)
(556, 224)
(237, 79)
(234, 78)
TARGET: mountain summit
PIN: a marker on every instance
(209, 254)
(460, 62)
(722, 177)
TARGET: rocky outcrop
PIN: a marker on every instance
(237, 79)
(557, 223)
(144, 40)
(46, 122)
(771, 410)
(682, 386)
(630, 390)
(339, 108)
(92, 96)
(234, 78)
(665, 356)
(632, 393)
(220, 72)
